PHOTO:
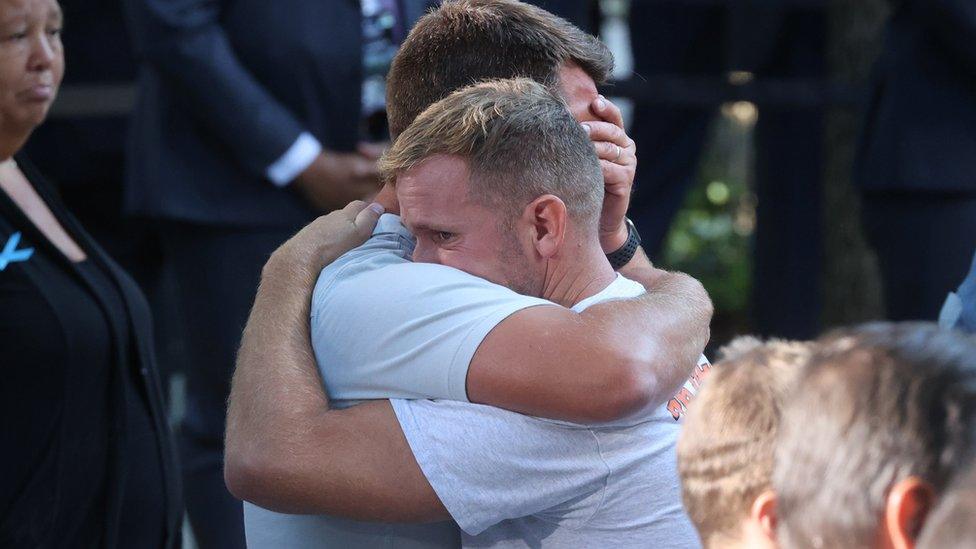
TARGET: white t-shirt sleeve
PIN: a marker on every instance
(398, 329)
(489, 465)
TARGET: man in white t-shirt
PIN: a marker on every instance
(381, 323)
(501, 182)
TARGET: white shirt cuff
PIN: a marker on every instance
(299, 156)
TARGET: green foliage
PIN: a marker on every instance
(710, 237)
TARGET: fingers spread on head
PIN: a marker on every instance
(605, 109)
(617, 179)
(604, 131)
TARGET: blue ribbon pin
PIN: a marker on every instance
(11, 254)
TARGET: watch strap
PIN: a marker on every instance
(622, 255)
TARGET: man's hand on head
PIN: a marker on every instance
(328, 237)
(618, 158)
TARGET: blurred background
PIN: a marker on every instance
(759, 171)
(728, 100)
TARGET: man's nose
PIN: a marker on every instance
(423, 254)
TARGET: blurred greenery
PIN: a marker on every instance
(710, 236)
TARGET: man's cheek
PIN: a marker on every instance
(466, 262)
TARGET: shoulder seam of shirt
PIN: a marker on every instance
(485, 318)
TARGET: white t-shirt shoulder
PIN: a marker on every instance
(621, 288)
(385, 327)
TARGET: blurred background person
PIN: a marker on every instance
(877, 423)
(725, 449)
(951, 524)
(252, 118)
(688, 50)
(687, 55)
(88, 460)
(916, 163)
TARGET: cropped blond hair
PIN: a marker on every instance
(725, 449)
(519, 141)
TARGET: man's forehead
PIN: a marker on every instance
(433, 189)
(578, 90)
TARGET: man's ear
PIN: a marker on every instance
(547, 217)
(763, 513)
(908, 504)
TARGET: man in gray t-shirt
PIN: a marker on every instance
(518, 481)
(523, 216)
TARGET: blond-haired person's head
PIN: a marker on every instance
(725, 450)
(499, 180)
(878, 421)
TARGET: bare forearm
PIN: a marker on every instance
(607, 362)
(275, 386)
(678, 314)
(682, 312)
(276, 394)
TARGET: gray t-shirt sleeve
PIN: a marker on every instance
(489, 465)
(384, 327)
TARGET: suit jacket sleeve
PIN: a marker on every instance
(184, 42)
(953, 23)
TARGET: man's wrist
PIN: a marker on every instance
(296, 261)
(613, 239)
(620, 257)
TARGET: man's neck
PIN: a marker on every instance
(577, 275)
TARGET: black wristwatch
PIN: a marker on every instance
(625, 253)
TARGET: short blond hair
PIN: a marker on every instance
(725, 449)
(519, 141)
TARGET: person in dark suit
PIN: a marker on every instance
(706, 40)
(916, 164)
(87, 460)
(252, 118)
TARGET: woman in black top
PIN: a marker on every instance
(86, 459)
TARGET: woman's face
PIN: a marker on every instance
(31, 61)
